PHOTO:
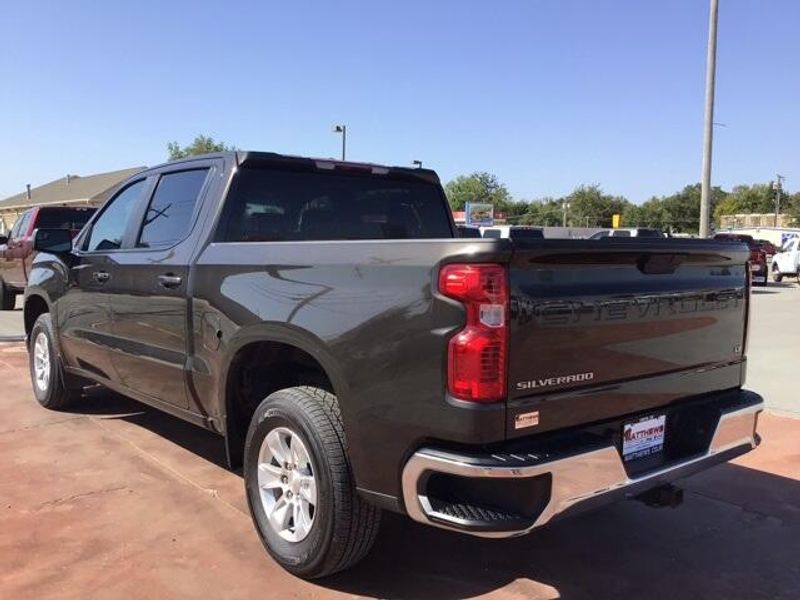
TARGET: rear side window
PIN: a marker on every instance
(169, 215)
(469, 232)
(63, 218)
(649, 233)
(272, 206)
(621, 233)
(491, 233)
(109, 229)
(525, 233)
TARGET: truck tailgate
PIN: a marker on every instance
(603, 328)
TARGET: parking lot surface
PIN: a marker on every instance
(774, 344)
(117, 500)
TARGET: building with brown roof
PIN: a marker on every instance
(72, 190)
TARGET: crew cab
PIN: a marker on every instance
(758, 257)
(357, 356)
(787, 261)
(16, 256)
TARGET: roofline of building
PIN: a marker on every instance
(16, 207)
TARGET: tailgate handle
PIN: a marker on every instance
(659, 264)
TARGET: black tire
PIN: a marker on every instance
(777, 276)
(60, 390)
(344, 526)
(8, 298)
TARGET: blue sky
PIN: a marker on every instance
(546, 94)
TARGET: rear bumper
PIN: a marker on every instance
(553, 483)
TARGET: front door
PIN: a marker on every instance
(83, 311)
(149, 299)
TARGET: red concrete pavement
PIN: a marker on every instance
(120, 501)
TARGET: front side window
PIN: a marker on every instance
(169, 215)
(270, 206)
(17, 226)
(109, 230)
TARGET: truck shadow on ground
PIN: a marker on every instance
(737, 535)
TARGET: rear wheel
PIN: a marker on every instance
(777, 276)
(8, 298)
(300, 488)
(52, 387)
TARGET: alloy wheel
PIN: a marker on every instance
(287, 484)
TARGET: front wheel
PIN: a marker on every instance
(300, 488)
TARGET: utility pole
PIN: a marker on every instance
(566, 208)
(778, 186)
(343, 130)
(711, 70)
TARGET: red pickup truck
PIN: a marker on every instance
(16, 251)
(759, 272)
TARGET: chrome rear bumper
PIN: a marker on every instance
(582, 479)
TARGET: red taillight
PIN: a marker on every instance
(477, 354)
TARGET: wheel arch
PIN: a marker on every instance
(284, 357)
(35, 305)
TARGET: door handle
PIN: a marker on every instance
(169, 281)
(101, 276)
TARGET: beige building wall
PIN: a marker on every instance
(754, 220)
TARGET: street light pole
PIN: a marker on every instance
(711, 70)
(566, 208)
(343, 130)
(778, 189)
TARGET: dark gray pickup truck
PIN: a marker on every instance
(357, 356)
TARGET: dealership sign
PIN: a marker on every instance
(479, 214)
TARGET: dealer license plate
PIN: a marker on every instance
(644, 437)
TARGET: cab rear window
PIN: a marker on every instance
(266, 205)
(63, 218)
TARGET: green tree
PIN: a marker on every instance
(590, 207)
(792, 202)
(757, 198)
(478, 187)
(545, 212)
(202, 144)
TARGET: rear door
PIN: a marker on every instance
(149, 300)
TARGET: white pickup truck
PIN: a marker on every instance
(787, 262)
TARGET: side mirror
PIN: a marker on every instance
(3, 239)
(53, 241)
